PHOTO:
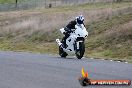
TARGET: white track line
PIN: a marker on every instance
(91, 58)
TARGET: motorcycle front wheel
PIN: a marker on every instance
(80, 52)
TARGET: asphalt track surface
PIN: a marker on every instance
(28, 70)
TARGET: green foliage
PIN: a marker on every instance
(11, 1)
(7, 1)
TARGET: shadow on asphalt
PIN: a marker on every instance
(66, 58)
(71, 58)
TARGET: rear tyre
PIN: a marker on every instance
(80, 52)
(62, 53)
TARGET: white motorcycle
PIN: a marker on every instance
(75, 42)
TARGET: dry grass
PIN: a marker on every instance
(114, 40)
(124, 30)
(24, 23)
(31, 30)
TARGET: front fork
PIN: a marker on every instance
(77, 43)
(77, 47)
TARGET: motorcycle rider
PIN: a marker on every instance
(69, 28)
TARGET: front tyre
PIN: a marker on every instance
(62, 53)
(80, 52)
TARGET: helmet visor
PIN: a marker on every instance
(79, 22)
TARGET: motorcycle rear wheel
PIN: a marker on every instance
(62, 53)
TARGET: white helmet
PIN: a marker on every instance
(80, 19)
